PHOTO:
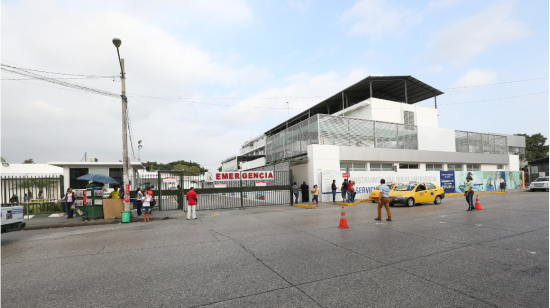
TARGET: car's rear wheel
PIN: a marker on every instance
(373, 201)
(391, 204)
(410, 202)
(437, 200)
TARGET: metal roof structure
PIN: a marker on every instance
(402, 89)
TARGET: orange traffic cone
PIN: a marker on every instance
(478, 205)
(343, 221)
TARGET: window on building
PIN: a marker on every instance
(408, 166)
(381, 167)
(500, 167)
(473, 168)
(116, 173)
(408, 117)
(454, 167)
(359, 167)
(430, 186)
(75, 173)
(434, 167)
(344, 166)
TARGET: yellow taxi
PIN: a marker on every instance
(416, 192)
(375, 194)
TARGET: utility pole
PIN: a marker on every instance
(117, 42)
(139, 150)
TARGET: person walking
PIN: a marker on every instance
(305, 192)
(69, 200)
(333, 187)
(295, 192)
(469, 193)
(139, 200)
(350, 191)
(315, 196)
(344, 189)
(384, 200)
(191, 203)
(146, 205)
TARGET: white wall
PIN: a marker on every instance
(484, 167)
(253, 163)
(300, 173)
(514, 163)
(321, 157)
(436, 139)
(388, 111)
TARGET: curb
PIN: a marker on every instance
(305, 206)
(87, 223)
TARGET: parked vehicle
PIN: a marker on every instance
(12, 218)
(414, 193)
(539, 184)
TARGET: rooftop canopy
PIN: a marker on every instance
(402, 89)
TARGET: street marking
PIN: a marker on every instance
(215, 214)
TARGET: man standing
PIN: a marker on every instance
(333, 187)
(305, 192)
(350, 191)
(344, 189)
(191, 203)
(469, 193)
(384, 200)
(295, 192)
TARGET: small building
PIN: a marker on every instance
(538, 168)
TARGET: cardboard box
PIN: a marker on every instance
(113, 207)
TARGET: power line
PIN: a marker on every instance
(86, 77)
(493, 84)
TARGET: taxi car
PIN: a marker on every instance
(375, 194)
(413, 193)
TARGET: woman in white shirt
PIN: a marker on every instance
(69, 199)
(146, 206)
(139, 198)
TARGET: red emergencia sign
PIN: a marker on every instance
(345, 175)
(236, 176)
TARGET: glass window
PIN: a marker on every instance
(454, 167)
(343, 166)
(434, 167)
(500, 167)
(408, 166)
(472, 168)
(359, 167)
(381, 167)
(75, 173)
(408, 117)
(116, 173)
(430, 186)
(387, 167)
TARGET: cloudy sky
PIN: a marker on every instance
(220, 58)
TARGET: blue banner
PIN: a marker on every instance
(447, 179)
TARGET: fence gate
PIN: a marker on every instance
(221, 194)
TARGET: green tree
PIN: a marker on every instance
(29, 161)
(3, 160)
(535, 146)
(187, 166)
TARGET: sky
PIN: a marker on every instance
(224, 71)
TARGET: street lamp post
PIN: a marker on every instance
(125, 181)
(139, 150)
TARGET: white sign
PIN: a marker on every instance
(236, 176)
(169, 179)
(98, 201)
(220, 185)
(261, 184)
(367, 181)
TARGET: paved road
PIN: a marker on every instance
(281, 256)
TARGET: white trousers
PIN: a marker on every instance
(191, 208)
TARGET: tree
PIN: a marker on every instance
(535, 146)
(187, 166)
(29, 161)
(3, 160)
(220, 169)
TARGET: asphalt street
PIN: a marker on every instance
(281, 256)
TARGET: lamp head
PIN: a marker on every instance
(117, 42)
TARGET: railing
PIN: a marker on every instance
(38, 194)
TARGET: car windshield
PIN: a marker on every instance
(541, 180)
(408, 187)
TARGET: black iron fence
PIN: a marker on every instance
(37, 194)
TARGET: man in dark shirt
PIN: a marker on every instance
(333, 187)
(344, 190)
(305, 192)
(14, 199)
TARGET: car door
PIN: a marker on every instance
(432, 192)
(421, 194)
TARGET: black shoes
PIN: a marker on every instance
(389, 219)
(377, 219)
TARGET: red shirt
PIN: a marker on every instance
(191, 197)
(350, 187)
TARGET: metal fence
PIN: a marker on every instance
(469, 142)
(37, 194)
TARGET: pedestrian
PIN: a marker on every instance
(14, 199)
(114, 193)
(384, 200)
(69, 200)
(295, 192)
(344, 189)
(191, 203)
(305, 192)
(315, 196)
(152, 202)
(146, 205)
(354, 192)
(178, 199)
(26, 198)
(502, 186)
(139, 202)
(333, 187)
(350, 191)
(469, 193)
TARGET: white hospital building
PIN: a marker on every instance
(377, 125)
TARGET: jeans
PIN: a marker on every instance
(315, 199)
(470, 200)
(138, 207)
(350, 196)
(334, 196)
(296, 195)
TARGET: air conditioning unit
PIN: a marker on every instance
(93, 160)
